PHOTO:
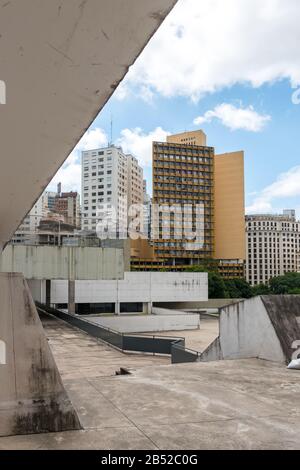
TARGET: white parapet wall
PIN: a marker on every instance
(137, 287)
(246, 331)
(168, 311)
(148, 323)
(60, 262)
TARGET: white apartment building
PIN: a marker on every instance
(273, 246)
(135, 181)
(28, 227)
(111, 181)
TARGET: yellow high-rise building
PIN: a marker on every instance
(230, 244)
(188, 138)
(183, 177)
(187, 171)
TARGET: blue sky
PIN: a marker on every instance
(237, 79)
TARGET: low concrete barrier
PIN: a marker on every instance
(148, 323)
(167, 311)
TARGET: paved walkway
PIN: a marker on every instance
(248, 404)
(79, 355)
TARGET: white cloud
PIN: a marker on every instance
(69, 175)
(92, 139)
(133, 141)
(204, 46)
(286, 186)
(138, 143)
(70, 172)
(235, 118)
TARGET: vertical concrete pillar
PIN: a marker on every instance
(71, 297)
(48, 292)
(117, 308)
(147, 307)
(32, 396)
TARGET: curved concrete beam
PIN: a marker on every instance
(60, 61)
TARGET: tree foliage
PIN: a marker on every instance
(286, 284)
(219, 288)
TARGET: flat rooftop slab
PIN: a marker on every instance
(199, 339)
(243, 404)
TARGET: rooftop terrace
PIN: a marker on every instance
(240, 404)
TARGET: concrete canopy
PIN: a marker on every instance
(60, 61)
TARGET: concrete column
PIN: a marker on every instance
(147, 307)
(32, 396)
(117, 308)
(71, 297)
(48, 292)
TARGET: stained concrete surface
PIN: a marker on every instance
(78, 355)
(240, 404)
(198, 340)
(32, 396)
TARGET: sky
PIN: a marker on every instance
(231, 68)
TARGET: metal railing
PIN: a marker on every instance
(182, 354)
(165, 345)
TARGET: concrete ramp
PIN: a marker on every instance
(264, 327)
(32, 396)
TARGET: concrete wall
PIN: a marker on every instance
(245, 331)
(167, 311)
(205, 305)
(37, 289)
(53, 262)
(149, 323)
(32, 396)
(136, 287)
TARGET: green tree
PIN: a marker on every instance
(261, 289)
(285, 284)
(238, 289)
(216, 287)
(295, 291)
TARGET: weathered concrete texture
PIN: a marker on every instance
(61, 262)
(80, 356)
(264, 327)
(62, 62)
(242, 404)
(283, 311)
(32, 396)
(136, 287)
(148, 323)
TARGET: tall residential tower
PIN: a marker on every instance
(187, 172)
(111, 181)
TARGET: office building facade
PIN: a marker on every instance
(183, 176)
(188, 172)
(273, 246)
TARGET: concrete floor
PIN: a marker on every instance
(247, 404)
(78, 355)
(198, 340)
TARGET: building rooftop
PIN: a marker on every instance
(287, 215)
(238, 404)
